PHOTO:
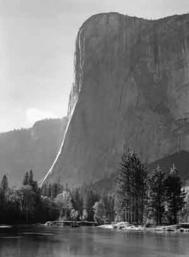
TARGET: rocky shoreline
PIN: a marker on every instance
(125, 226)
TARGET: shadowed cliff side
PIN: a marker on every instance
(34, 148)
(131, 90)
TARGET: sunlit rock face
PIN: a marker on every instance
(131, 91)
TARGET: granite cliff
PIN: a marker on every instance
(131, 90)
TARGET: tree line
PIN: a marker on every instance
(82, 203)
(140, 197)
(31, 204)
(26, 204)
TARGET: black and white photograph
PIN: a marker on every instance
(94, 128)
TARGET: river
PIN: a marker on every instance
(91, 241)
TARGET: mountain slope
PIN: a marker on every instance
(34, 148)
(179, 159)
(131, 90)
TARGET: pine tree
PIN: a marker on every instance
(174, 195)
(26, 179)
(4, 184)
(28, 202)
(44, 190)
(131, 189)
(4, 198)
(109, 202)
(30, 178)
(54, 190)
(89, 199)
(77, 201)
(157, 194)
(50, 191)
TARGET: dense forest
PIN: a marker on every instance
(140, 197)
(149, 197)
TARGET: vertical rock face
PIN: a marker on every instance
(131, 90)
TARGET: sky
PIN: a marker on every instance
(37, 41)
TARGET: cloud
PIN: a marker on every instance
(34, 114)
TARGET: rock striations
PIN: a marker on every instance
(131, 90)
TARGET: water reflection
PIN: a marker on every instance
(70, 242)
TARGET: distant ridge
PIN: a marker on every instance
(179, 159)
(34, 148)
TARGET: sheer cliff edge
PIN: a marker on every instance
(131, 91)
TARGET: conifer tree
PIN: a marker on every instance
(77, 201)
(89, 199)
(54, 190)
(4, 184)
(50, 191)
(30, 178)
(109, 202)
(131, 188)
(44, 190)
(26, 179)
(175, 195)
(3, 197)
(157, 194)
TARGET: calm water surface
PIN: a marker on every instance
(84, 242)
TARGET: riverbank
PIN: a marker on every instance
(62, 223)
(5, 226)
(125, 226)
